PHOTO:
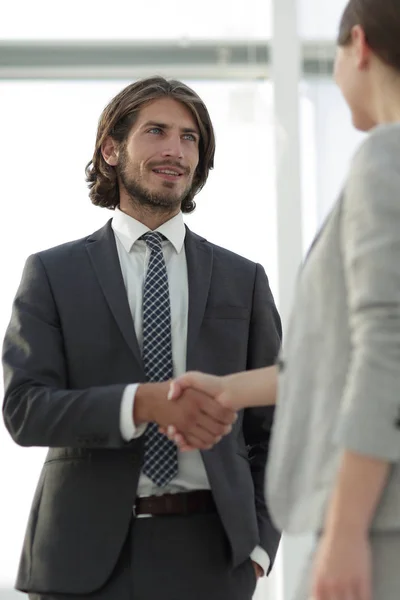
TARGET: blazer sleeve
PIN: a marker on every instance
(370, 407)
(264, 345)
(38, 408)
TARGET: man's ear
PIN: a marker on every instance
(109, 150)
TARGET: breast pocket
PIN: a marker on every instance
(223, 340)
(227, 312)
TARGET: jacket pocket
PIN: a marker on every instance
(226, 312)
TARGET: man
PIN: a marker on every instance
(98, 328)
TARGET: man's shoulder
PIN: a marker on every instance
(73, 247)
(224, 254)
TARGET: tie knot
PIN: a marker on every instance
(153, 239)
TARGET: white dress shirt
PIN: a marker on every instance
(134, 257)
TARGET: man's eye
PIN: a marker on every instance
(155, 130)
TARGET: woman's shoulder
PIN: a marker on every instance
(373, 181)
(381, 146)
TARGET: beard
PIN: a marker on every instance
(165, 200)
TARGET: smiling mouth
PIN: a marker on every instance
(168, 174)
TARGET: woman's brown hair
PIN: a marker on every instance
(117, 120)
(380, 20)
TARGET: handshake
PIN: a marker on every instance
(197, 410)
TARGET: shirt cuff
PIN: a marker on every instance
(129, 431)
(260, 557)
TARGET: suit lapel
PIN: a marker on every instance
(199, 258)
(103, 254)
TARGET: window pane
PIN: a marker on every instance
(319, 20)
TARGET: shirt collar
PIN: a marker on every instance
(129, 230)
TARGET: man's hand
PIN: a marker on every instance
(198, 417)
(342, 568)
(258, 570)
(212, 385)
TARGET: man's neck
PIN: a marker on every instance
(153, 219)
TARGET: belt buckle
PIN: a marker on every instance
(135, 514)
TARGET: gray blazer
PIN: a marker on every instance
(340, 379)
(69, 351)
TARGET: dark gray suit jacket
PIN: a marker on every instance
(69, 351)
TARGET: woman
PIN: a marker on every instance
(334, 467)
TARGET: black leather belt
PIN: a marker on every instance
(187, 503)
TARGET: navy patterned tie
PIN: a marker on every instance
(160, 454)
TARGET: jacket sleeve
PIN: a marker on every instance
(39, 409)
(264, 345)
(370, 406)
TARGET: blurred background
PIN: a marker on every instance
(284, 140)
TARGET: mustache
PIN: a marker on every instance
(170, 163)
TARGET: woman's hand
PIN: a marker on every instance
(240, 390)
(342, 568)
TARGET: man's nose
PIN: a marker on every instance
(173, 147)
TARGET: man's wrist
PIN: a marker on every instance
(260, 560)
(148, 399)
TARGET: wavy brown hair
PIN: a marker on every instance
(117, 120)
(380, 20)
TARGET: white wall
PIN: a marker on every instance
(336, 140)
